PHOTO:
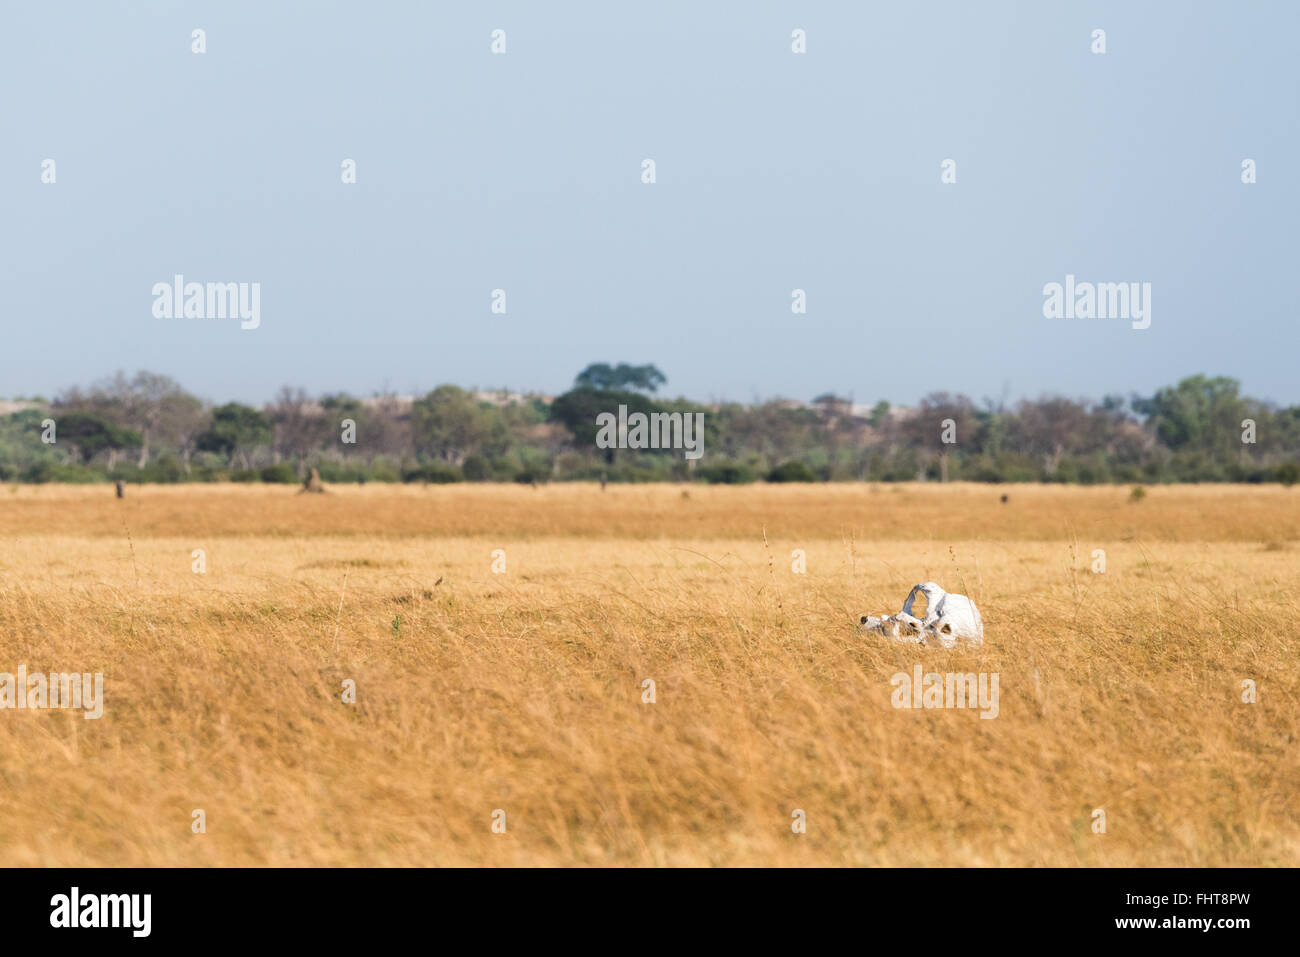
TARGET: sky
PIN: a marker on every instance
(774, 171)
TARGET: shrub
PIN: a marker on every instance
(443, 474)
(476, 469)
(533, 475)
(283, 474)
(727, 473)
(436, 473)
(337, 473)
(39, 473)
(46, 471)
(791, 472)
(165, 469)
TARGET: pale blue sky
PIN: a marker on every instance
(775, 171)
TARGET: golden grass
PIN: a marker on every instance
(523, 691)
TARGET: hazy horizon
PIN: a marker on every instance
(666, 392)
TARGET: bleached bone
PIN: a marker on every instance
(948, 617)
(900, 627)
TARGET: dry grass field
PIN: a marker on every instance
(522, 690)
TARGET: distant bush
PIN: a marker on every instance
(1288, 474)
(384, 472)
(436, 473)
(336, 473)
(40, 472)
(283, 474)
(46, 471)
(476, 469)
(791, 472)
(443, 474)
(166, 469)
(533, 474)
(727, 473)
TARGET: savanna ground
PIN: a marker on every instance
(522, 690)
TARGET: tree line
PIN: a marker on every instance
(147, 428)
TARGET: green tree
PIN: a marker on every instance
(236, 430)
(577, 409)
(450, 424)
(619, 378)
(1199, 413)
(89, 434)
